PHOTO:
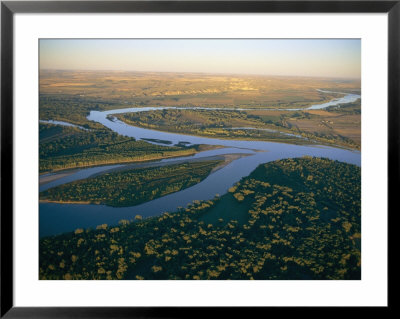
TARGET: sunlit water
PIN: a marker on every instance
(59, 218)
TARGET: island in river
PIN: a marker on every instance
(143, 199)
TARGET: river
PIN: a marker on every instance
(58, 218)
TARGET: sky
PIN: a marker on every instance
(336, 58)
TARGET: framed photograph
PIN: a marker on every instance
(162, 155)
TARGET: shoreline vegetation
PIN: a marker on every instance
(294, 219)
(227, 159)
(70, 95)
(294, 127)
(64, 147)
(132, 187)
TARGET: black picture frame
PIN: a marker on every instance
(9, 8)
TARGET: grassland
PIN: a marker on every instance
(188, 89)
(210, 123)
(294, 219)
(70, 96)
(337, 126)
(330, 126)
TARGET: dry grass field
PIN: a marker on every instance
(70, 95)
(331, 124)
(194, 89)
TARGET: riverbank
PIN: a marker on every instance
(128, 187)
(58, 173)
(293, 126)
(53, 176)
(277, 136)
(227, 159)
(57, 218)
(271, 220)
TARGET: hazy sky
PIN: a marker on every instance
(325, 58)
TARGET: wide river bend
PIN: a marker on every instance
(57, 218)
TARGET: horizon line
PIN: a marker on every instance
(205, 73)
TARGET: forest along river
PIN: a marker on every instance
(58, 218)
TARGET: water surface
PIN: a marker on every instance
(59, 218)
